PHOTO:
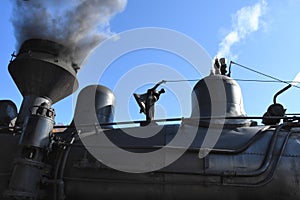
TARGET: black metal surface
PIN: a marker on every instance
(245, 161)
(42, 70)
(37, 132)
(8, 112)
(29, 166)
(44, 73)
(27, 103)
(256, 165)
(274, 110)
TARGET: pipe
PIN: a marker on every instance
(261, 183)
(270, 163)
(268, 158)
(280, 92)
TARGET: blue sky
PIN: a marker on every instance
(272, 48)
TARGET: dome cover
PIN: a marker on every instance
(224, 94)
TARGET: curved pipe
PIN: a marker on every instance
(280, 92)
(256, 184)
(268, 158)
(266, 169)
(270, 163)
(254, 173)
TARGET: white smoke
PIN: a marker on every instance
(244, 21)
(80, 25)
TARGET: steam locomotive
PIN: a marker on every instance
(218, 152)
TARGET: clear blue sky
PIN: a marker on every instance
(272, 48)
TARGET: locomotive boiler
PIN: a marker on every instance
(218, 152)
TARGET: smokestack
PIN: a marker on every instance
(44, 73)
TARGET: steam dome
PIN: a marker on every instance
(218, 96)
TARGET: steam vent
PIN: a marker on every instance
(43, 71)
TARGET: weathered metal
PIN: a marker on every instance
(247, 160)
(42, 71)
(103, 100)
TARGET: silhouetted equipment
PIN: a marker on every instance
(223, 66)
(43, 71)
(280, 92)
(29, 166)
(217, 64)
(275, 110)
(8, 113)
(223, 155)
(220, 66)
(147, 101)
(216, 69)
(207, 94)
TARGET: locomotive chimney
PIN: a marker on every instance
(44, 73)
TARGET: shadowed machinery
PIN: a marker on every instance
(223, 153)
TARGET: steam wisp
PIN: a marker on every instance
(245, 21)
(79, 25)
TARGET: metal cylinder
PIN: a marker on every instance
(95, 104)
(26, 178)
(38, 128)
(105, 102)
(27, 103)
(44, 73)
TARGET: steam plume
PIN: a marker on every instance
(80, 25)
(245, 21)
